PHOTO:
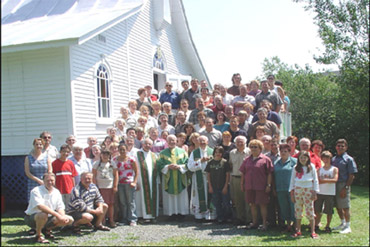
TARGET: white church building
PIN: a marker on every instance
(67, 66)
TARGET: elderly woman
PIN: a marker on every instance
(130, 121)
(35, 165)
(133, 112)
(120, 128)
(256, 181)
(292, 141)
(51, 150)
(151, 121)
(283, 168)
(221, 124)
(81, 163)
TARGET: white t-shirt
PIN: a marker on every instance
(41, 196)
(104, 174)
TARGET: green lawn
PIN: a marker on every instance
(13, 232)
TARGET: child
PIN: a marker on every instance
(328, 176)
(218, 175)
(113, 148)
(65, 172)
(164, 134)
(303, 188)
(128, 174)
(106, 178)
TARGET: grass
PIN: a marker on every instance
(13, 232)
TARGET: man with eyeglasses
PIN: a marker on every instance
(347, 168)
(170, 96)
(51, 150)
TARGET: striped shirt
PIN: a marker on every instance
(83, 199)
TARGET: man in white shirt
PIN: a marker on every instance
(46, 209)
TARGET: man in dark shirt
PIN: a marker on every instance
(192, 93)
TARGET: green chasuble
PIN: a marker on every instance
(150, 197)
(200, 180)
(174, 180)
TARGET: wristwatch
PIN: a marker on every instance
(347, 187)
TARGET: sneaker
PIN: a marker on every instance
(340, 227)
(133, 223)
(296, 235)
(314, 235)
(346, 230)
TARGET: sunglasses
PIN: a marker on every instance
(253, 147)
(46, 137)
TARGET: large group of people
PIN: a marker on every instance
(215, 155)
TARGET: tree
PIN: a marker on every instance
(344, 29)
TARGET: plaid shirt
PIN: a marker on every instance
(83, 199)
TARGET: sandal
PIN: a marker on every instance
(112, 225)
(47, 233)
(102, 228)
(32, 232)
(41, 240)
(327, 229)
(251, 226)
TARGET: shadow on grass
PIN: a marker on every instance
(8, 221)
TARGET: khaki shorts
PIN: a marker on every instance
(342, 202)
(31, 222)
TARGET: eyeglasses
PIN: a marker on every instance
(46, 137)
(341, 146)
(253, 147)
(168, 85)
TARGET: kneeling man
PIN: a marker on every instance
(87, 205)
(46, 209)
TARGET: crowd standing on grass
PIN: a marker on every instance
(215, 155)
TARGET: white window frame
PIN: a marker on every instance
(107, 76)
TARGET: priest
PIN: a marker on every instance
(172, 166)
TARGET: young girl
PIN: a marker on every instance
(106, 178)
(127, 173)
(303, 188)
(218, 175)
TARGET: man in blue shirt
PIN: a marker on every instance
(170, 96)
(347, 167)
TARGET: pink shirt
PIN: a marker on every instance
(255, 172)
(125, 172)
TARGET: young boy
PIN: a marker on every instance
(218, 175)
(65, 172)
(328, 176)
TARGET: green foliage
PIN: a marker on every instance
(344, 29)
(328, 106)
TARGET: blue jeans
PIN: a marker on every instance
(222, 204)
(126, 195)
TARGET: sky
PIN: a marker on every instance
(235, 36)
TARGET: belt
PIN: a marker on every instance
(236, 176)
